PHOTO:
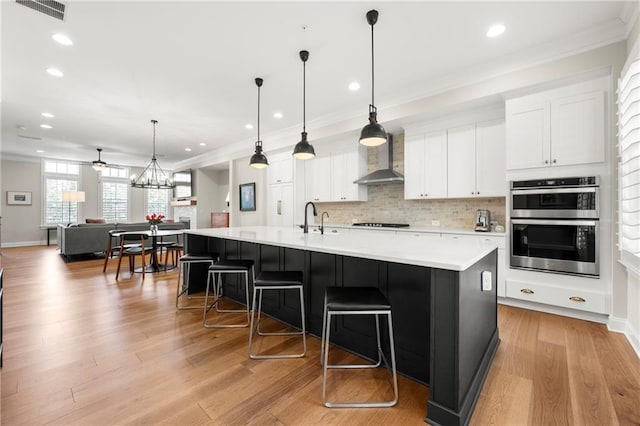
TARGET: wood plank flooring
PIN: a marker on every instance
(83, 349)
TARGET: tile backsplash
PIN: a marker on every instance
(387, 204)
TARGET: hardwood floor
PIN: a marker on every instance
(81, 348)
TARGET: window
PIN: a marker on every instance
(58, 177)
(158, 201)
(115, 194)
(629, 162)
(183, 184)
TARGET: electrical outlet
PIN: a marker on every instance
(435, 223)
(486, 280)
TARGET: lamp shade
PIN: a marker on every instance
(303, 149)
(373, 134)
(73, 196)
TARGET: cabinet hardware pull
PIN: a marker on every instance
(279, 207)
(526, 291)
(577, 299)
(546, 161)
(554, 161)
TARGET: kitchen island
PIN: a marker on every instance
(445, 319)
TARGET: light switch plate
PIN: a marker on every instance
(486, 280)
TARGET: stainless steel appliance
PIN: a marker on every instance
(556, 198)
(555, 226)
(483, 221)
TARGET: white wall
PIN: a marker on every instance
(21, 224)
(242, 173)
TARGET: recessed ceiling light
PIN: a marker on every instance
(353, 86)
(496, 30)
(188, 149)
(55, 72)
(62, 39)
(48, 115)
(39, 151)
(248, 126)
(277, 115)
(46, 126)
(203, 144)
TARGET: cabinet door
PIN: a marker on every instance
(490, 159)
(577, 129)
(350, 163)
(319, 179)
(434, 163)
(338, 176)
(280, 204)
(280, 169)
(461, 162)
(528, 135)
(414, 166)
(273, 196)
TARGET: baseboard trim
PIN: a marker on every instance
(556, 310)
(26, 244)
(621, 325)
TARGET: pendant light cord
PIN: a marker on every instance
(258, 113)
(304, 96)
(372, 68)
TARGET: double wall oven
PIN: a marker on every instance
(555, 225)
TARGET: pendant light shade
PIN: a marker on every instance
(258, 159)
(303, 149)
(98, 164)
(153, 176)
(373, 134)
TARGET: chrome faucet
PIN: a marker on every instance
(315, 213)
(322, 222)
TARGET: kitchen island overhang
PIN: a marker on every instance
(445, 323)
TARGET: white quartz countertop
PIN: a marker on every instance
(399, 248)
(425, 230)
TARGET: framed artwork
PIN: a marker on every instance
(248, 197)
(19, 198)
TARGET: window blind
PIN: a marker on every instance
(629, 162)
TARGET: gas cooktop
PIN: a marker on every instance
(382, 225)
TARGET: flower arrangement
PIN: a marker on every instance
(155, 219)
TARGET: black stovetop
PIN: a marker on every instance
(382, 225)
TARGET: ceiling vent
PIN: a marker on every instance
(48, 7)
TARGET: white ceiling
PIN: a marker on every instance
(191, 66)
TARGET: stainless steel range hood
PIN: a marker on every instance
(385, 174)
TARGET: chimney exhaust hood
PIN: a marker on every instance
(385, 174)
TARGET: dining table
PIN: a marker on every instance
(155, 265)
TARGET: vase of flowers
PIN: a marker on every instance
(154, 220)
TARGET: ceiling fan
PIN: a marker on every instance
(98, 164)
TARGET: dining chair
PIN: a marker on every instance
(113, 246)
(131, 252)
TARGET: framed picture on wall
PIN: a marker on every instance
(248, 197)
(19, 198)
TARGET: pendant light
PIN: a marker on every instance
(303, 149)
(258, 159)
(153, 176)
(98, 164)
(373, 134)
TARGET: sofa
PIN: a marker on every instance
(87, 238)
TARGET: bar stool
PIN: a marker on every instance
(356, 301)
(186, 261)
(277, 280)
(214, 280)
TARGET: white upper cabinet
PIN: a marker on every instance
(280, 169)
(490, 159)
(556, 128)
(461, 164)
(330, 177)
(318, 178)
(425, 165)
(476, 163)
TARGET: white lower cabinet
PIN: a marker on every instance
(556, 295)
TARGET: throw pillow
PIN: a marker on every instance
(96, 221)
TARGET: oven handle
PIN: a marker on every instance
(554, 222)
(553, 191)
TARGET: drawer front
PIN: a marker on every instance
(558, 296)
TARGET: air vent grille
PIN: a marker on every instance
(48, 7)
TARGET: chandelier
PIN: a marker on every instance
(153, 176)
